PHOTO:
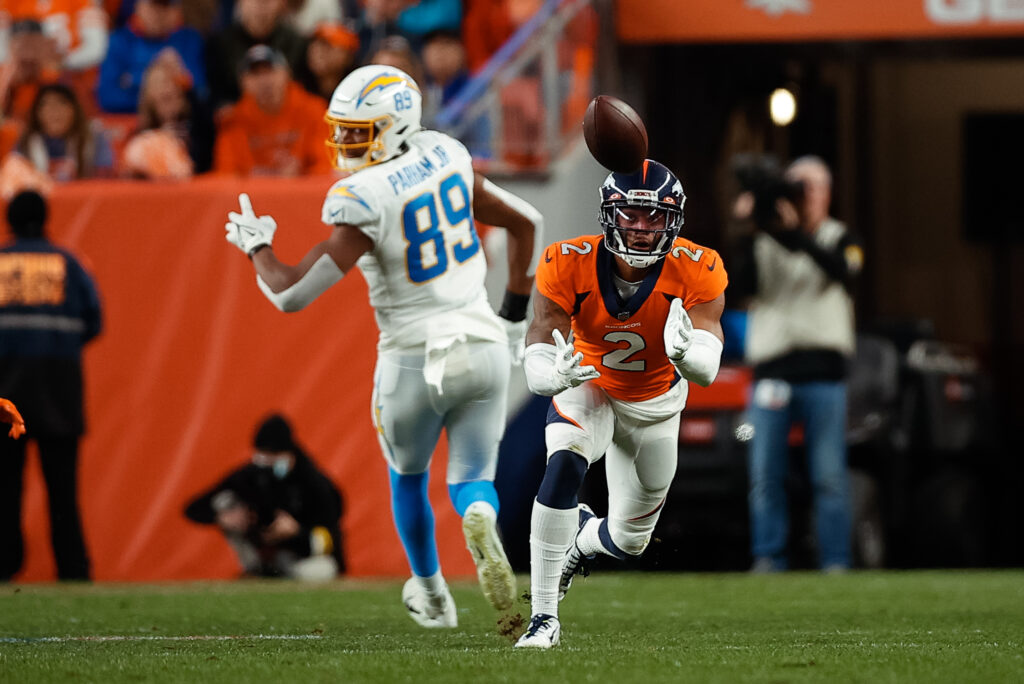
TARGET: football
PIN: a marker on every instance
(615, 134)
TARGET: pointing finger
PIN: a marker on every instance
(246, 204)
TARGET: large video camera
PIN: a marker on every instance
(763, 177)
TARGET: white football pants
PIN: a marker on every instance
(468, 399)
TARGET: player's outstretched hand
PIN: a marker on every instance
(247, 231)
(516, 331)
(678, 331)
(567, 362)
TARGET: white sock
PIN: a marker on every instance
(589, 541)
(433, 585)
(551, 532)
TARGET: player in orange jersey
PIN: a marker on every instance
(644, 306)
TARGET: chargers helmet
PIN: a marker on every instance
(384, 101)
(654, 189)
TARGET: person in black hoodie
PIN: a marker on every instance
(279, 512)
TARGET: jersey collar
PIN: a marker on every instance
(612, 302)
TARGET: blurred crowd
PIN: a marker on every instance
(168, 89)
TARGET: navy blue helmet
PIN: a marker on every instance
(642, 213)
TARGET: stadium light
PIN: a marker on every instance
(782, 105)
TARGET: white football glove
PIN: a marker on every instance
(247, 231)
(678, 331)
(568, 371)
(516, 331)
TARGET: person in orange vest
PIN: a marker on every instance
(276, 127)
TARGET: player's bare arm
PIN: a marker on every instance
(523, 223)
(344, 246)
(292, 288)
(547, 317)
(708, 316)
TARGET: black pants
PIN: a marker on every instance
(59, 457)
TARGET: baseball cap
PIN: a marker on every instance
(337, 35)
(261, 54)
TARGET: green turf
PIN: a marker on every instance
(617, 627)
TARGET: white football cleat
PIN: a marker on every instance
(543, 632)
(426, 610)
(575, 562)
(497, 581)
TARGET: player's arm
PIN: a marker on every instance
(552, 368)
(292, 288)
(694, 339)
(522, 221)
(525, 228)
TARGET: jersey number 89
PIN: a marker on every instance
(426, 257)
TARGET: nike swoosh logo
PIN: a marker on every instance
(713, 264)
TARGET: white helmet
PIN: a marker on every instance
(381, 99)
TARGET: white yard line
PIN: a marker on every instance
(151, 637)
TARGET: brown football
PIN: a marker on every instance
(615, 134)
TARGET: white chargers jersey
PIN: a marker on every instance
(426, 269)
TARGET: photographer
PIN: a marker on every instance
(796, 268)
(279, 512)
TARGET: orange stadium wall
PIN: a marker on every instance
(191, 357)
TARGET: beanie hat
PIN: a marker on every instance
(26, 214)
(274, 434)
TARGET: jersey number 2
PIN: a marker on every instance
(617, 358)
(426, 257)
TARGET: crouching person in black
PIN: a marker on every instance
(280, 514)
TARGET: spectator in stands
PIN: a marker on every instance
(377, 22)
(330, 56)
(32, 61)
(488, 24)
(154, 33)
(422, 18)
(49, 311)
(396, 51)
(258, 22)
(175, 136)
(445, 72)
(279, 512)
(61, 141)
(305, 15)
(78, 29)
(277, 128)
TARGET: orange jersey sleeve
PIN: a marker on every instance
(624, 340)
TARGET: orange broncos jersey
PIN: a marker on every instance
(625, 340)
(61, 19)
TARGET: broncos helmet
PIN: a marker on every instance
(653, 190)
(384, 101)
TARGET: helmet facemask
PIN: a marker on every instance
(640, 231)
(371, 151)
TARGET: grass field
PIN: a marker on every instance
(617, 627)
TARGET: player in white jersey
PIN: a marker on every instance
(405, 217)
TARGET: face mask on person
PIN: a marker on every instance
(280, 463)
